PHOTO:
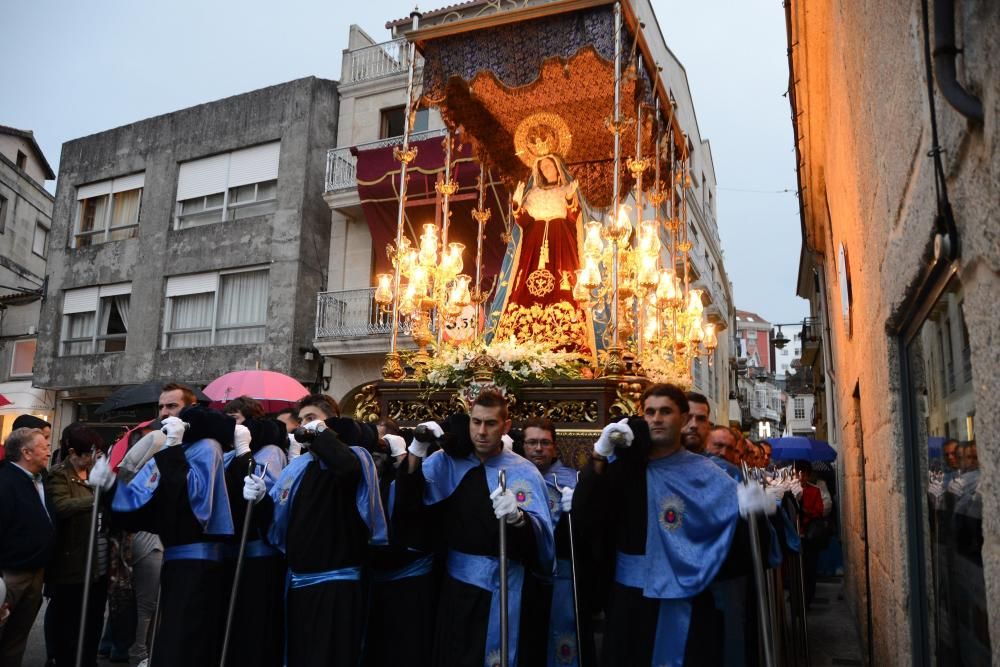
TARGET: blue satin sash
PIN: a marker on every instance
(484, 572)
(417, 568)
(296, 580)
(195, 551)
(673, 618)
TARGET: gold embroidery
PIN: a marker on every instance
(540, 282)
(561, 323)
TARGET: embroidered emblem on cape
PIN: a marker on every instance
(522, 493)
(671, 512)
(565, 649)
(554, 498)
(154, 478)
(286, 490)
(493, 659)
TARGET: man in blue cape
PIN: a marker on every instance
(668, 515)
(323, 512)
(455, 492)
(180, 495)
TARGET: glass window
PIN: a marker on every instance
(95, 331)
(235, 313)
(943, 423)
(108, 210)
(23, 358)
(40, 243)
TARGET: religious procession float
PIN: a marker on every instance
(542, 244)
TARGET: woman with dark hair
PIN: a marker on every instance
(73, 500)
(243, 408)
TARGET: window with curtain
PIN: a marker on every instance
(95, 319)
(108, 210)
(23, 357)
(228, 186)
(227, 308)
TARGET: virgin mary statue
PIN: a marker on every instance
(535, 299)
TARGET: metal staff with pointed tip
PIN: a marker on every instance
(572, 569)
(504, 629)
(763, 614)
(239, 570)
(94, 512)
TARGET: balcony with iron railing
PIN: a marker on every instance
(351, 322)
(811, 337)
(342, 164)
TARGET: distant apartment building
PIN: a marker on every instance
(25, 223)
(188, 245)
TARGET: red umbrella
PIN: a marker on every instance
(120, 448)
(275, 391)
(4, 400)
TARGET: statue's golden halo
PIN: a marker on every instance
(542, 134)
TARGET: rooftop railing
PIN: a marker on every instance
(379, 60)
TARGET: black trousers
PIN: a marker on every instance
(193, 602)
(63, 613)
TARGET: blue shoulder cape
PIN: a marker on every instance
(691, 513)
(206, 487)
(443, 473)
(564, 476)
(271, 455)
(369, 503)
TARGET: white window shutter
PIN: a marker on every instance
(197, 283)
(93, 190)
(130, 182)
(83, 300)
(202, 177)
(254, 165)
(116, 290)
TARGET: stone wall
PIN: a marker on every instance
(860, 99)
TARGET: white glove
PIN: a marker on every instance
(100, 475)
(315, 425)
(567, 498)
(254, 488)
(775, 493)
(174, 428)
(294, 447)
(935, 489)
(796, 489)
(418, 447)
(753, 500)
(604, 447)
(241, 439)
(505, 505)
(397, 445)
(508, 442)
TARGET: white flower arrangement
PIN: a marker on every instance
(518, 362)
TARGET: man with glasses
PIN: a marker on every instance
(27, 536)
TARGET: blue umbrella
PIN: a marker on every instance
(800, 448)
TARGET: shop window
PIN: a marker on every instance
(947, 477)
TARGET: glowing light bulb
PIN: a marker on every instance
(593, 245)
(428, 245)
(383, 293)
